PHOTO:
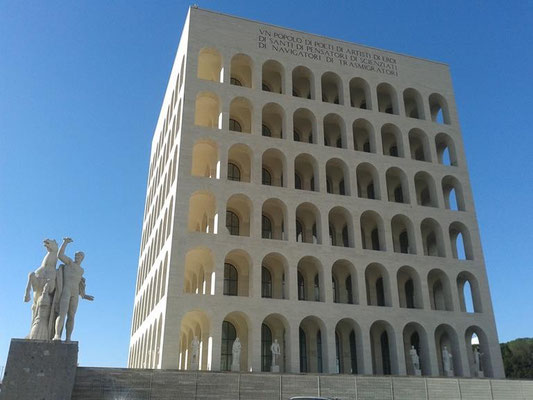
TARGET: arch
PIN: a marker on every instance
(459, 234)
(275, 211)
(334, 131)
(414, 106)
(367, 181)
(391, 140)
(304, 126)
(360, 94)
(237, 271)
(235, 325)
(308, 219)
(438, 108)
(194, 324)
(409, 288)
(311, 272)
(303, 83)
(273, 77)
(378, 291)
(387, 99)
(477, 342)
(469, 293)
(205, 161)
(210, 64)
(241, 70)
(273, 121)
(344, 279)
(372, 231)
(340, 227)
(403, 235)
(202, 212)
(349, 347)
(306, 171)
(445, 146)
(313, 345)
(383, 349)
(440, 295)
(419, 145)
(279, 329)
(364, 138)
(452, 191)
(332, 90)
(239, 163)
(278, 267)
(239, 205)
(207, 110)
(199, 275)
(446, 340)
(415, 337)
(426, 193)
(397, 185)
(337, 177)
(432, 240)
(274, 162)
(240, 115)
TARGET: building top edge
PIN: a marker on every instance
(318, 36)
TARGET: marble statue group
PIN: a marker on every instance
(55, 292)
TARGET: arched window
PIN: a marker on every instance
(234, 125)
(266, 178)
(349, 291)
(296, 136)
(266, 130)
(229, 334)
(385, 353)
(297, 181)
(319, 349)
(380, 292)
(266, 283)
(317, 288)
(335, 290)
(266, 343)
(231, 280)
(232, 223)
(353, 352)
(303, 351)
(410, 294)
(266, 228)
(234, 173)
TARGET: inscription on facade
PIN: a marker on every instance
(322, 50)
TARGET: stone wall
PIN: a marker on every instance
(140, 384)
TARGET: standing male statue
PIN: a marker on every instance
(477, 363)
(447, 362)
(70, 286)
(195, 350)
(276, 352)
(236, 355)
(415, 360)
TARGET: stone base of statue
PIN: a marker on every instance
(194, 366)
(39, 369)
(235, 368)
(274, 368)
(449, 373)
(418, 372)
(480, 374)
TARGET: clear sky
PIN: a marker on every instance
(81, 84)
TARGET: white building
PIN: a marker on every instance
(312, 191)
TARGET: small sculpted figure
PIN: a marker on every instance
(70, 286)
(43, 284)
(276, 351)
(195, 349)
(415, 360)
(447, 362)
(236, 355)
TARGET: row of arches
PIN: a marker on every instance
(330, 88)
(307, 349)
(335, 131)
(373, 286)
(146, 351)
(342, 226)
(338, 176)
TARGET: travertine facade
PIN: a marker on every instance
(312, 191)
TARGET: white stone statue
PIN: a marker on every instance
(447, 362)
(70, 286)
(236, 355)
(43, 284)
(195, 350)
(276, 352)
(477, 363)
(415, 360)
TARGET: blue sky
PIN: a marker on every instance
(81, 84)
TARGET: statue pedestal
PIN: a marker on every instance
(480, 374)
(449, 373)
(274, 368)
(39, 369)
(194, 366)
(418, 372)
(235, 368)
